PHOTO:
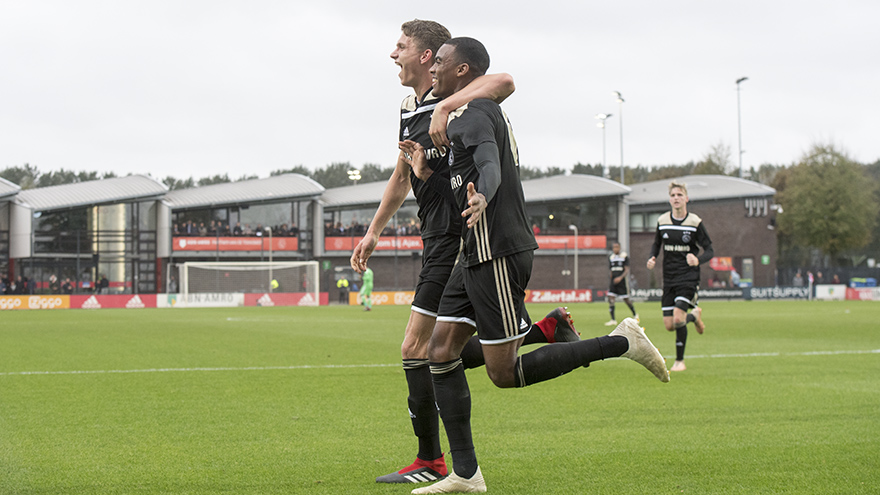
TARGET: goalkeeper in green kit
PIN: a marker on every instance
(366, 292)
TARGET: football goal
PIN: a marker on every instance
(249, 277)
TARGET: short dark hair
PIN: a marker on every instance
(472, 52)
(428, 35)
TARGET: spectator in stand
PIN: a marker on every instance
(835, 279)
(535, 229)
(225, 229)
(103, 284)
(67, 286)
(248, 231)
(176, 230)
(236, 231)
(282, 231)
(54, 286)
(260, 230)
(294, 230)
(4, 283)
(819, 278)
(203, 231)
(798, 280)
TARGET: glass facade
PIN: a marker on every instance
(590, 217)
(115, 244)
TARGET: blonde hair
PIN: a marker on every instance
(680, 185)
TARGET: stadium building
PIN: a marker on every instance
(138, 234)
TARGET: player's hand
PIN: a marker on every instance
(414, 155)
(692, 259)
(437, 131)
(617, 280)
(651, 261)
(476, 206)
(362, 253)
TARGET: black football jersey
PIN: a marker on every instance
(436, 214)
(504, 228)
(618, 263)
(678, 238)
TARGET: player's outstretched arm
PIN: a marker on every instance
(476, 206)
(395, 193)
(495, 87)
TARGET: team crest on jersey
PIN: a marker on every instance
(405, 132)
(665, 235)
(451, 158)
(686, 238)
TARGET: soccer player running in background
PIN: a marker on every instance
(441, 227)
(681, 235)
(619, 263)
(487, 286)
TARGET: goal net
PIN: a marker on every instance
(249, 277)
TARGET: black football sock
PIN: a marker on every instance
(472, 354)
(454, 400)
(611, 310)
(423, 408)
(681, 337)
(631, 308)
(555, 360)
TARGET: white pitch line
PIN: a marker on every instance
(169, 370)
(783, 354)
(337, 366)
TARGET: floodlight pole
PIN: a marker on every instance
(739, 126)
(269, 230)
(575, 229)
(620, 101)
(601, 124)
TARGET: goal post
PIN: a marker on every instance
(249, 277)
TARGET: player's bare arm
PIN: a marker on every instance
(651, 262)
(495, 87)
(395, 193)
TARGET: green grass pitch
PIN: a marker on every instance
(779, 397)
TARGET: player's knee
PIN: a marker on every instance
(501, 378)
(414, 349)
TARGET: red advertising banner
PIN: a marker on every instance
(415, 243)
(286, 299)
(411, 242)
(567, 241)
(863, 294)
(559, 296)
(235, 244)
(129, 301)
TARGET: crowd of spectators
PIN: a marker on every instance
(218, 227)
(357, 229)
(16, 286)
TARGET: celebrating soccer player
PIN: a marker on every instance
(487, 286)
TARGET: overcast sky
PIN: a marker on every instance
(202, 87)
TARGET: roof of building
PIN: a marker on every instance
(8, 189)
(360, 195)
(273, 189)
(699, 188)
(569, 187)
(96, 192)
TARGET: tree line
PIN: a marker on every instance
(830, 203)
